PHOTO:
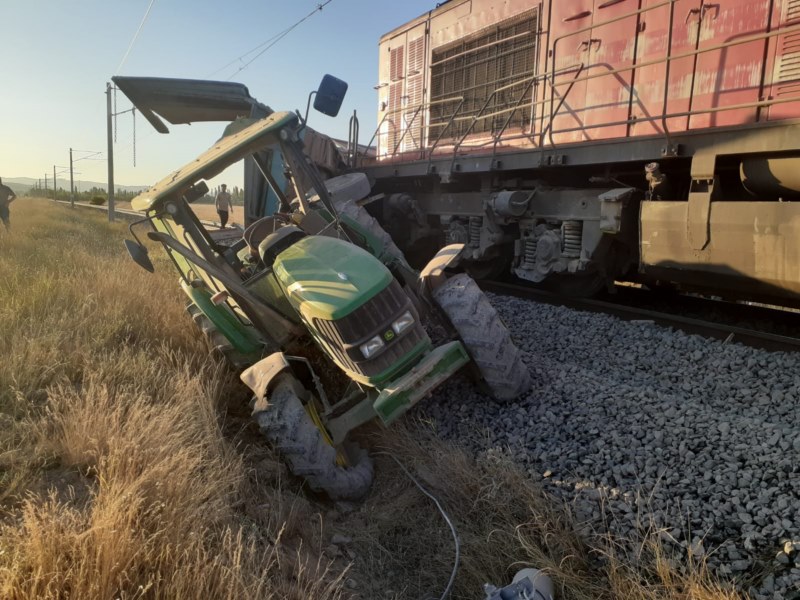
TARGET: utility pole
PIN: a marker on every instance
(110, 155)
(71, 182)
(55, 187)
(45, 185)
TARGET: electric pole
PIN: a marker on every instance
(71, 182)
(45, 185)
(55, 187)
(110, 155)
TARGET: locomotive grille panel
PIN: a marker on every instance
(373, 318)
(498, 56)
(396, 69)
(789, 69)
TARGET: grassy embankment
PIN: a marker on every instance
(127, 470)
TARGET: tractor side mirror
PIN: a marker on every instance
(198, 190)
(330, 95)
(139, 255)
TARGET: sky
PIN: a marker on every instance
(57, 56)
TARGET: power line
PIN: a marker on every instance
(136, 35)
(269, 43)
(239, 58)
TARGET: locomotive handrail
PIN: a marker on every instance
(483, 108)
(446, 127)
(686, 113)
(549, 126)
(664, 115)
(721, 46)
(489, 45)
(407, 128)
(401, 109)
(760, 103)
(696, 52)
(572, 83)
(608, 22)
(582, 74)
(667, 69)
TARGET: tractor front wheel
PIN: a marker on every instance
(485, 336)
(289, 427)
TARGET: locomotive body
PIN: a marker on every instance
(575, 142)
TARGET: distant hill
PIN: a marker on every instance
(22, 184)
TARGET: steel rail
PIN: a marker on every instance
(727, 333)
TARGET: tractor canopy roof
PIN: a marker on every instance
(225, 152)
(188, 100)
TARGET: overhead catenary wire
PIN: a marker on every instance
(249, 52)
(135, 35)
(269, 43)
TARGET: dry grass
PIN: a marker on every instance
(126, 470)
(117, 479)
(504, 523)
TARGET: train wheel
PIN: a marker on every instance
(583, 285)
(487, 269)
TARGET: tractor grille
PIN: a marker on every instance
(345, 335)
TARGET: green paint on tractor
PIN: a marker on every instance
(327, 278)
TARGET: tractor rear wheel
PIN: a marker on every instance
(289, 427)
(220, 345)
(485, 336)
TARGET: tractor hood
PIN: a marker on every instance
(327, 278)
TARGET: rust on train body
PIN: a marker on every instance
(692, 107)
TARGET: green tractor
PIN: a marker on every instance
(319, 308)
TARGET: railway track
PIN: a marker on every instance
(725, 331)
(226, 237)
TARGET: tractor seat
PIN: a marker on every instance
(277, 242)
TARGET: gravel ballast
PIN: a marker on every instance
(639, 426)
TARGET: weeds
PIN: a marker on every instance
(117, 479)
(127, 469)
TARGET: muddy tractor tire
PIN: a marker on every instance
(345, 192)
(220, 345)
(505, 376)
(287, 425)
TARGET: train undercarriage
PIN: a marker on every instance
(709, 218)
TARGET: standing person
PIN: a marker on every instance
(7, 196)
(223, 204)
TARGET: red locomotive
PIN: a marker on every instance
(575, 142)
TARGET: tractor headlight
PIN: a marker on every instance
(404, 322)
(371, 347)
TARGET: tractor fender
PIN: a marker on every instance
(260, 376)
(433, 275)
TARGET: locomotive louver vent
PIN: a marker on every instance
(415, 56)
(396, 68)
(474, 67)
(413, 117)
(396, 64)
(789, 48)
